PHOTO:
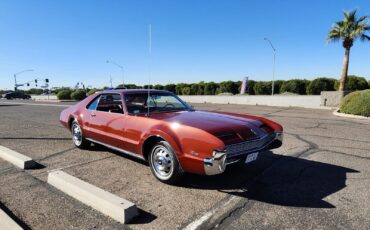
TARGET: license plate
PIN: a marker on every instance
(251, 157)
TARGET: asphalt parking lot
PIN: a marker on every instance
(318, 179)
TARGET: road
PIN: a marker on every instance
(319, 178)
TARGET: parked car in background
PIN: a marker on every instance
(16, 95)
(160, 128)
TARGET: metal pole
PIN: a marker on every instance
(273, 67)
(15, 82)
(15, 77)
(273, 75)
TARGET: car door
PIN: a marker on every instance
(106, 122)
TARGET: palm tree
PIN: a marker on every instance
(348, 30)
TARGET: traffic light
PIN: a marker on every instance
(47, 80)
(35, 81)
(28, 84)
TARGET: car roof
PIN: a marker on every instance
(135, 91)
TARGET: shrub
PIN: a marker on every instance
(92, 91)
(210, 88)
(297, 86)
(262, 88)
(179, 88)
(249, 90)
(35, 91)
(78, 95)
(57, 90)
(277, 86)
(160, 87)
(357, 103)
(170, 87)
(354, 83)
(229, 87)
(185, 90)
(64, 94)
(320, 84)
(200, 90)
(194, 89)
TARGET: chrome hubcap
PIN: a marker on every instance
(162, 162)
(77, 134)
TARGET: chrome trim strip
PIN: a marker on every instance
(118, 149)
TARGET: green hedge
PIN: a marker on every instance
(354, 83)
(185, 90)
(357, 103)
(64, 94)
(35, 91)
(92, 91)
(262, 88)
(210, 88)
(296, 86)
(78, 95)
(249, 90)
(320, 84)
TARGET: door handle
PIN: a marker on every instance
(93, 115)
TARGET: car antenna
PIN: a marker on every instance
(150, 54)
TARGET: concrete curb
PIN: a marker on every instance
(17, 159)
(337, 113)
(111, 205)
(7, 222)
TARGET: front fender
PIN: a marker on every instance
(191, 145)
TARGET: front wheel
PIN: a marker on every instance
(164, 164)
(77, 136)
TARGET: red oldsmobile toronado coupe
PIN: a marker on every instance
(157, 126)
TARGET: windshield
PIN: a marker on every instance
(137, 103)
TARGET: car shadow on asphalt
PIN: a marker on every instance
(279, 180)
(275, 179)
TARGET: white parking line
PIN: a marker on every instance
(17, 159)
(116, 207)
(206, 216)
(36, 104)
(7, 222)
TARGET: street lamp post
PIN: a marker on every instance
(121, 67)
(15, 77)
(273, 68)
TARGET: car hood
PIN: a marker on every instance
(230, 129)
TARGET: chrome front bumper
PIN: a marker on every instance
(217, 164)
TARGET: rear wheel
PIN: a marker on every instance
(77, 136)
(164, 164)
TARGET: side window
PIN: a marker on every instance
(93, 104)
(111, 103)
(136, 103)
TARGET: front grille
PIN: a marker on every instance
(248, 146)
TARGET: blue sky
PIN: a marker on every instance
(192, 40)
